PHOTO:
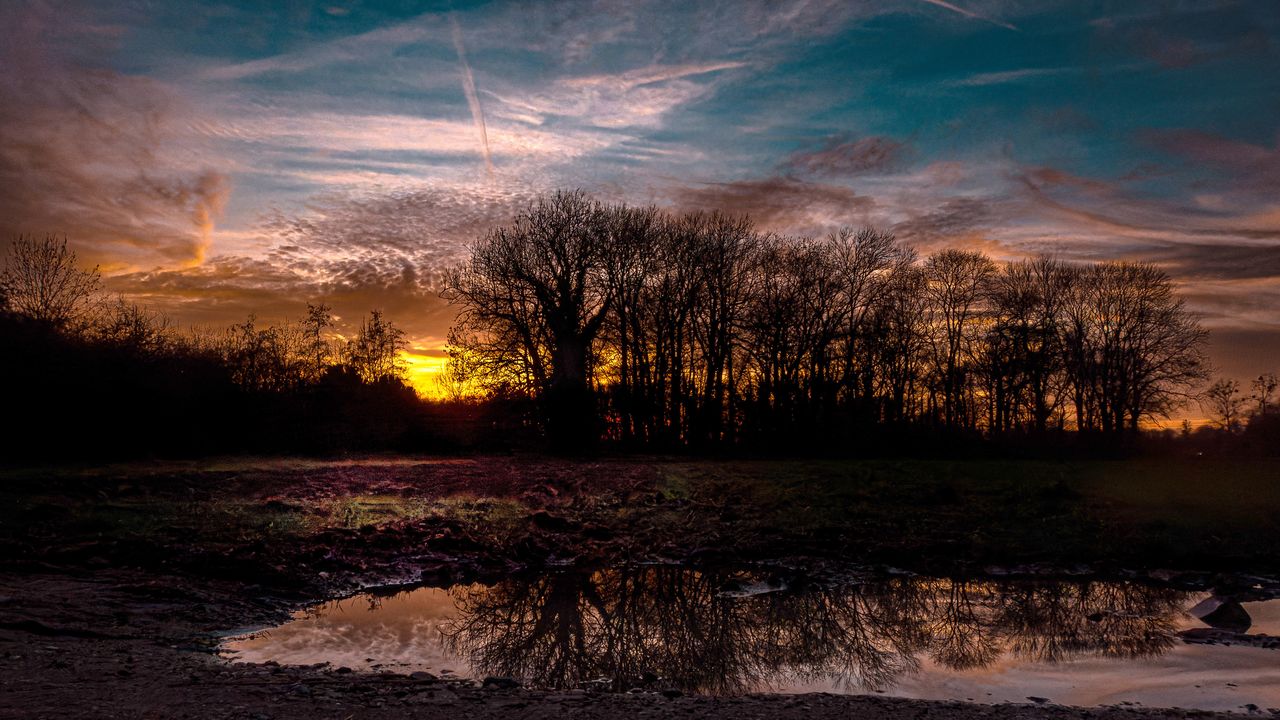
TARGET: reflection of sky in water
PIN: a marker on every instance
(1187, 676)
(1265, 616)
(478, 630)
(362, 631)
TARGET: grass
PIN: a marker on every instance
(1150, 511)
(1205, 513)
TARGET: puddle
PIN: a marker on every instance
(1078, 643)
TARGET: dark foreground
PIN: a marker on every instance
(115, 584)
(142, 664)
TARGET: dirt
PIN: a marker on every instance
(116, 583)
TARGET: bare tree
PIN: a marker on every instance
(374, 354)
(125, 324)
(1264, 386)
(316, 351)
(866, 262)
(1225, 404)
(258, 356)
(543, 282)
(726, 246)
(1023, 355)
(42, 282)
(693, 328)
(958, 286)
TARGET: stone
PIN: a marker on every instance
(1222, 614)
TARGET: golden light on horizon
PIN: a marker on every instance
(423, 369)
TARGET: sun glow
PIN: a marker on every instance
(423, 367)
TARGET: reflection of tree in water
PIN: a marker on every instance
(1051, 622)
(631, 626)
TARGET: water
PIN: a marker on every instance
(1079, 643)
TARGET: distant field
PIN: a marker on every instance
(936, 516)
(1154, 512)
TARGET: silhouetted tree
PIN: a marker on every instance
(316, 350)
(1224, 404)
(374, 354)
(42, 281)
(541, 283)
(695, 329)
(128, 325)
(1134, 350)
(1264, 387)
(868, 266)
(1023, 358)
(958, 285)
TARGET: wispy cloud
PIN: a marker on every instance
(473, 100)
(1010, 76)
(89, 153)
(633, 99)
(970, 14)
(374, 43)
(649, 75)
(779, 204)
(845, 156)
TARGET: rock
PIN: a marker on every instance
(671, 693)
(1037, 700)
(1222, 614)
(423, 676)
(501, 683)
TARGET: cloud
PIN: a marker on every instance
(844, 157)
(970, 14)
(1169, 51)
(779, 204)
(1178, 36)
(381, 42)
(1245, 353)
(634, 99)
(384, 238)
(1216, 261)
(1010, 76)
(228, 289)
(1108, 207)
(473, 100)
(89, 153)
(1246, 168)
(649, 75)
(353, 251)
(955, 216)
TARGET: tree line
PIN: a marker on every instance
(582, 321)
(90, 374)
(696, 329)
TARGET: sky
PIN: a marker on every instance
(217, 159)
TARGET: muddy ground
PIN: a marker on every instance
(116, 582)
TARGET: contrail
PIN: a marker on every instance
(970, 14)
(473, 100)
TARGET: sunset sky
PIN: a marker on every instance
(222, 158)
